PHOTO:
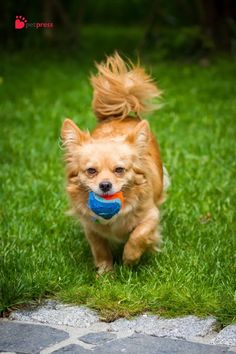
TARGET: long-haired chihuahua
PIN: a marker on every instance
(120, 155)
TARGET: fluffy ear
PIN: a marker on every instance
(140, 136)
(71, 134)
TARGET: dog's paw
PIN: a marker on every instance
(104, 267)
(131, 255)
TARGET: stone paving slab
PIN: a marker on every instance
(98, 338)
(140, 344)
(73, 349)
(28, 338)
(57, 328)
(226, 337)
(25, 338)
(189, 327)
(144, 344)
(54, 313)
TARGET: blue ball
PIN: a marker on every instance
(102, 207)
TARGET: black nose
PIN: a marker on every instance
(105, 186)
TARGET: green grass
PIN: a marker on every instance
(43, 253)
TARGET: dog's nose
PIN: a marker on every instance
(105, 186)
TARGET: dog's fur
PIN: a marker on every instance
(119, 141)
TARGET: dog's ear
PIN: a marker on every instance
(72, 135)
(140, 136)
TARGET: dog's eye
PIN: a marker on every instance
(91, 171)
(119, 170)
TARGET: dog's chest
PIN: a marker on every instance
(118, 229)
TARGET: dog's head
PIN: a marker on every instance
(106, 165)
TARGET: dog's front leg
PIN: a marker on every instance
(101, 252)
(144, 237)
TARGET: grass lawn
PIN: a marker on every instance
(43, 252)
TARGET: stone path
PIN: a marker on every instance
(56, 328)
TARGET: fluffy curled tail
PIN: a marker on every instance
(121, 88)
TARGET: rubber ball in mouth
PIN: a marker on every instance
(106, 206)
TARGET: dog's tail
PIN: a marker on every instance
(121, 88)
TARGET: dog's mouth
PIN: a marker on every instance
(106, 194)
(110, 193)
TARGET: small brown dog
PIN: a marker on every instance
(121, 154)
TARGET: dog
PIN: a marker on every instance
(121, 154)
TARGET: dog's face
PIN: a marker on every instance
(104, 166)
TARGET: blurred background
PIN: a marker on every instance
(169, 29)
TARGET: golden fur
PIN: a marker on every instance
(118, 141)
(120, 88)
